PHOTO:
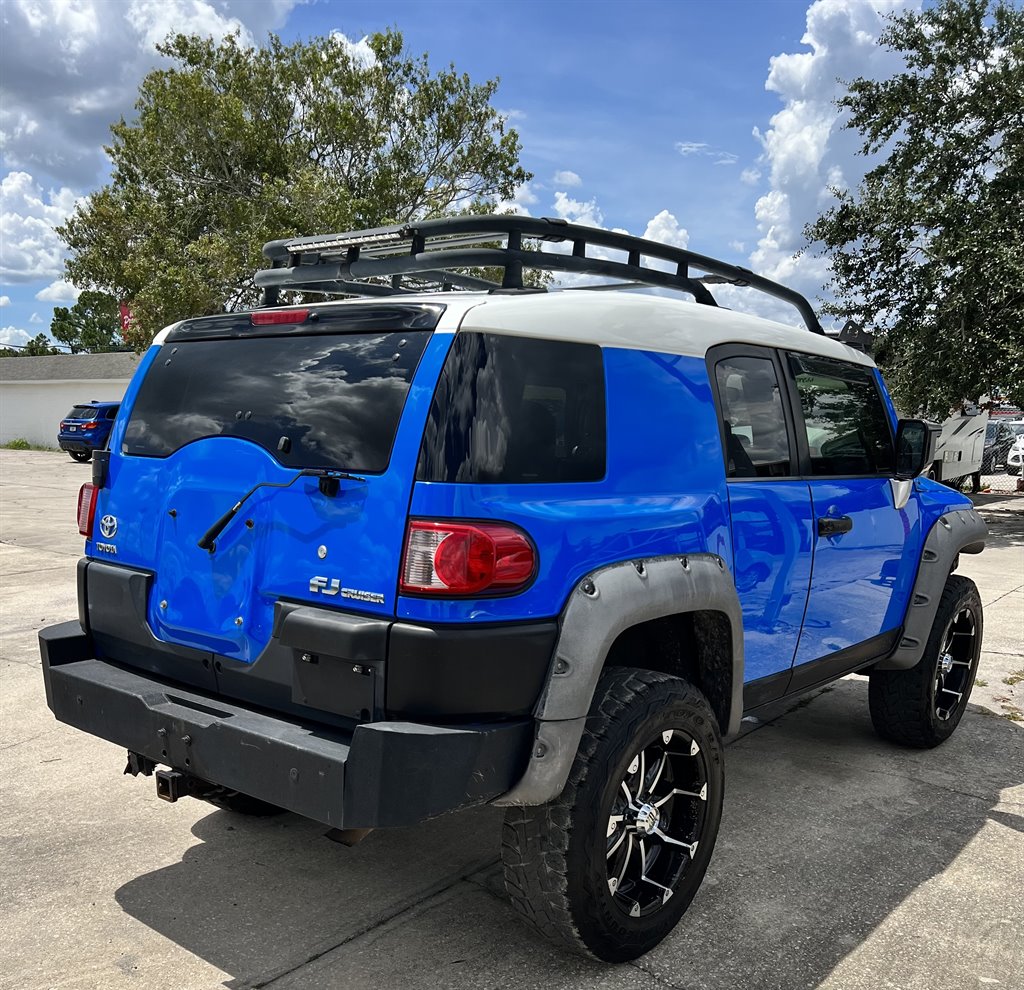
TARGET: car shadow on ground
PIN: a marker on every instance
(827, 831)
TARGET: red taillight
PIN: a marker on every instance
(86, 509)
(455, 558)
(90, 426)
(274, 317)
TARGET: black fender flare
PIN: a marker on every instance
(960, 531)
(601, 606)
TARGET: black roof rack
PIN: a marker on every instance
(378, 262)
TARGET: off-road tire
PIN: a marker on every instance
(903, 702)
(554, 855)
(82, 456)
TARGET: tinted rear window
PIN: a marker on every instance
(82, 412)
(516, 410)
(319, 401)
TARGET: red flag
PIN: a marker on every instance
(126, 317)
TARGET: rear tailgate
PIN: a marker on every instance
(224, 405)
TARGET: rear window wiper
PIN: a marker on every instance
(208, 541)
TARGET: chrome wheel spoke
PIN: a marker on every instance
(614, 848)
(615, 882)
(690, 847)
(702, 794)
(666, 892)
(657, 774)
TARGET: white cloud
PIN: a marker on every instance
(738, 246)
(72, 68)
(35, 318)
(665, 228)
(153, 20)
(804, 148)
(30, 249)
(13, 335)
(567, 179)
(692, 147)
(576, 211)
(726, 158)
(359, 51)
(58, 291)
(5, 301)
(704, 150)
(522, 199)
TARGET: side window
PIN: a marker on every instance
(514, 410)
(757, 445)
(848, 432)
(112, 412)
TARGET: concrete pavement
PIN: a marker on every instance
(843, 862)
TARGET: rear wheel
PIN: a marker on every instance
(922, 706)
(611, 865)
(82, 456)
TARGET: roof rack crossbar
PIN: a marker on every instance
(429, 249)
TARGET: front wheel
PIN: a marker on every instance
(609, 867)
(82, 456)
(922, 706)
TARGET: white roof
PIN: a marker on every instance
(643, 322)
(614, 319)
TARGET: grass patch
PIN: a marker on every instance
(980, 683)
(1015, 678)
(20, 443)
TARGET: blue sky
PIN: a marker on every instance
(707, 124)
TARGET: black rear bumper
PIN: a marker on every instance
(384, 773)
(78, 446)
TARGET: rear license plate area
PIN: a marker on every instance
(330, 684)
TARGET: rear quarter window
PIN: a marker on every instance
(516, 410)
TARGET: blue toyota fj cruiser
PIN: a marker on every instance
(377, 559)
(86, 428)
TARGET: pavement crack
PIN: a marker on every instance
(1005, 594)
(983, 798)
(657, 977)
(406, 906)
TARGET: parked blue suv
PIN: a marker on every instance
(86, 428)
(378, 559)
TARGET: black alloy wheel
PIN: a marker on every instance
(922, 706)
(609, 867)
(954, 668)
(657, 822)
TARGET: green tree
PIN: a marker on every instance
(39, 344)
(928, 251)
(234, 146)
(92, 324)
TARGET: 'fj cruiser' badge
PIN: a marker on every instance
(332, 586)
(108, 526)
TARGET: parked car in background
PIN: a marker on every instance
(999, 438)
(86, 428)
(1015, 457)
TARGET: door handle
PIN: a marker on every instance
(834, 525)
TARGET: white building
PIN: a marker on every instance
(36, 393)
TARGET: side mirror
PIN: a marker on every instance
(915, 446)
